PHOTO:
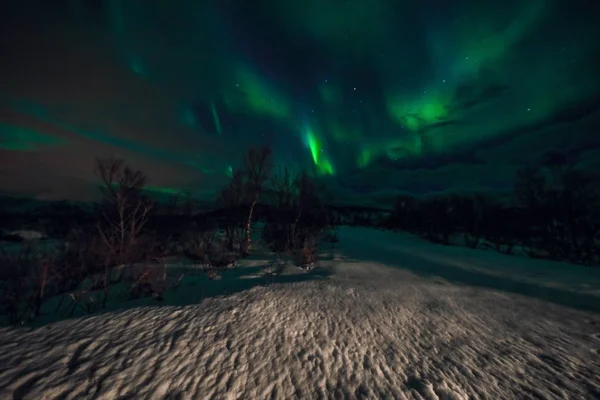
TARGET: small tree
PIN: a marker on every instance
(284, 199)
(438, 223)
(257, 168)
(405, 214)
(125, 209)
(309, 222)
(308, 203)
(232, 197)
(502, 227)
(298, 216)
(124, 212)
(530, 187)
(469, 217)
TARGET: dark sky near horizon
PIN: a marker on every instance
(377, 97)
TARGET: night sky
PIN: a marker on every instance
(377, 97)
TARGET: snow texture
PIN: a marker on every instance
(28, 235)
(372, 329)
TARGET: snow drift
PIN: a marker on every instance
(368, 330)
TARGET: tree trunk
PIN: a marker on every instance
(294, 228)
(249, 224)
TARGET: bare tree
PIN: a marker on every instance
(283, 185)
(233, 197)
(530, 187)
(284, 198)
(307, 198)
(125, 211)
(257, 168)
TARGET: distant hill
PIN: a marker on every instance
(28, 205)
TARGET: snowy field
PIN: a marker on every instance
(390, 316)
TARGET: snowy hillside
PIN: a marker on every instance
(395, 318)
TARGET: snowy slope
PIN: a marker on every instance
(372, 329)
(567, 284)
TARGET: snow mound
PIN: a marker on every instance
(368, 331)
(27, 235)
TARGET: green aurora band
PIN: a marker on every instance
(348, 86)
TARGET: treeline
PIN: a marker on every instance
(54, 219)
(554, 214)
(119, 248)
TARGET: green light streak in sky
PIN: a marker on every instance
(323, 164)
(23, 139)
(325, 168)
(416, 113)
(313, 145)
(427, 82)
(396, 149)
(213, 111)
(163, 190)
(27, 140)
(408, 146)
(252, 94)
(344, 133)
(364, 158)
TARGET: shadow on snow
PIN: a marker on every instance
(387, 254)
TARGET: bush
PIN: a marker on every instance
(29, 276)
(299, 218)
(306, 255)
(151, 281)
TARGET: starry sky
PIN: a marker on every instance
(376, 97)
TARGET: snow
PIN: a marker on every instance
(574, 285)
(394, 317)
(28, 235)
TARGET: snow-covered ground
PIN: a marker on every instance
(395, 317)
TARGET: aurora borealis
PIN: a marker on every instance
(378, 97)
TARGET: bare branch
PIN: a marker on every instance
(125, 209)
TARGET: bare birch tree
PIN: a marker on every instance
(124, 213)
(257, 168)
